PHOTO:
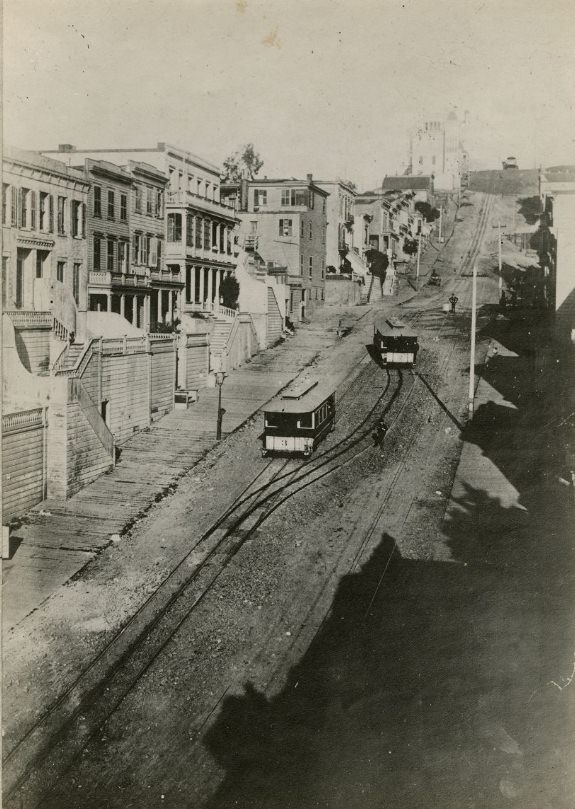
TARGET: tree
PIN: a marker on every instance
(242, 165)
(429, 214)
(410, 247)
(229, 291)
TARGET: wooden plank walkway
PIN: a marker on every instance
(58, 538)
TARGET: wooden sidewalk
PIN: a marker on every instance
(58, 538)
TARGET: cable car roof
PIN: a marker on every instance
(302, 396)
(392, 327)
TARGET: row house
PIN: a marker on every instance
(199, 227)
(384, 219)
(339, 226)
(421, 186)
(284, 223)
(148, 235)
(44, 237)
(128, 270)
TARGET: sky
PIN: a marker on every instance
(322, 86)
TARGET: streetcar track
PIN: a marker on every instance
(174, 589)
(217, 524)
(273, 500)
(375, 521)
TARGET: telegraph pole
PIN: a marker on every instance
(500, 262)
(499, 257)
(440, 224)
(472, 357)
(418, 253)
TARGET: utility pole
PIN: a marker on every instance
(472, 356)
(499, 257)
(500, 262)
(418, 253)
(440, 224)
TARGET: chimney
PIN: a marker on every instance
(309, 178)
(66, 147)
(243, 194)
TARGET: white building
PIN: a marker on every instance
(437, 150)
(339, 228)
(557, 188)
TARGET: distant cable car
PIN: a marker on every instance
(396, 343)
(297, 420)
(510, 163)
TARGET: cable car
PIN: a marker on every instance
(298, 419)
(395, 342)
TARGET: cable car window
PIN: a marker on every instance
(277, 420)
(306, 421)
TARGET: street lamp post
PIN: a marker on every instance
(220, 376)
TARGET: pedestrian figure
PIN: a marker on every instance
(72, 337)
(503, 301)
(453, 300)
(379, 434)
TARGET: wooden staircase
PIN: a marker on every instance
(375, 290)
(71, 356)
(219, 337)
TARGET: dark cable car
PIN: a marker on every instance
(298, 419)
(395, 342)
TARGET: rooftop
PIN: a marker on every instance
(289, 182)
(407, 182)
(392, 327)
(168, 148)
(301, 397)
(36, 160)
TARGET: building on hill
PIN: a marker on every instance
(556, 244)
(384, 220)
(339, 226)
(421, 185)
(284, 222)
(436, 149)
(199, 225)
(44, 256)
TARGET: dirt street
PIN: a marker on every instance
(376, 641)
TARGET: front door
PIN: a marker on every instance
(19, 282)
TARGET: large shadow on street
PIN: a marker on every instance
(426, 687)
(436, 684)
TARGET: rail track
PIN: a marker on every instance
(59, 735)
(109, 677)
(365, 541)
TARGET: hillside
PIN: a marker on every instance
(515, 182)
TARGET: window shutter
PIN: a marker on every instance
(153, 257)
(14, 207)
(50, 213)
(20, 206)
(33, 210)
